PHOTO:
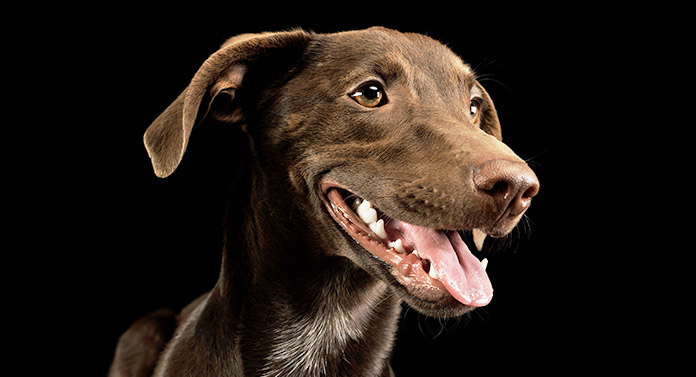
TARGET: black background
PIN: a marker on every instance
(119, 242)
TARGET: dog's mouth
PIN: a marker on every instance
(431, 264)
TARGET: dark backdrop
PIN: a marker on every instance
(132, 242)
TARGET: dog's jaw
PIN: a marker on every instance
(443, 278)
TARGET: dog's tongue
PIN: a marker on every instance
(460, 272)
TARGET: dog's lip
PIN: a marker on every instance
(404, 267)
(412, 271)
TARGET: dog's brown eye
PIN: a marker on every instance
(369, 95)
(475, 110)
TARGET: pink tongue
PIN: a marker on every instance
(459, 271)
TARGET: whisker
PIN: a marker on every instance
(481, 313)
(527, 225)
(530, 161)
(495, 81)
(389, 295)
(350, 196)
(403, 316)
(420, 327)
(486, 64)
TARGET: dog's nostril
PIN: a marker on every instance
(509, 184)
(531, 192)
(500, 188)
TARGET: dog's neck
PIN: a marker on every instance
(298, 310)
(336, 327)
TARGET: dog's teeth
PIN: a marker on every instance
(378, 228)
(356, 204)
(484, 263)
(415, 252)
(433, 273)
(479, 237)
(398, 246)
(366, 212)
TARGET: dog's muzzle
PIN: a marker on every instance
(431, 264)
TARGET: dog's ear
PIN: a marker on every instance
(489, 118)
(222, 73)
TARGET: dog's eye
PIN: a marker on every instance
(370, 95)
(475, 109)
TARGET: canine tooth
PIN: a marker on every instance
(433, 273)
(398, 246)
(415, 252)
(484, 263)
(366, 212)
(479, 237)
(378, 228)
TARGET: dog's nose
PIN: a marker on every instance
(509, 184)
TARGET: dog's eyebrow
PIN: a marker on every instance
(387, 67)
(391, 67)
(476, 91)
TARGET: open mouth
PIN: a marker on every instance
(431, 264)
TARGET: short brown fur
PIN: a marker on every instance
(296, 295)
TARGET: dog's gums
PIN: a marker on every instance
(431, 264)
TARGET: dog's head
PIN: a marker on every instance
(388, 141)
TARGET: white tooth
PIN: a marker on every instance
(356, 204)
(415, 252)
(479, 237)
(366, 212)
(378, 228)
(484, 263)
(433, 273)
(398, 246)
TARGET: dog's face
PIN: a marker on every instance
(391, 145)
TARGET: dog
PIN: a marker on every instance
(367, 155)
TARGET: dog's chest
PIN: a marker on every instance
(307, 346)
(330, 341)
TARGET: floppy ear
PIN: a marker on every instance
(222, 73)
(489, 118)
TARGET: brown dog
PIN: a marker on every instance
(368, 152)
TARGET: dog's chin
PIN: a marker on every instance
(442, 279)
